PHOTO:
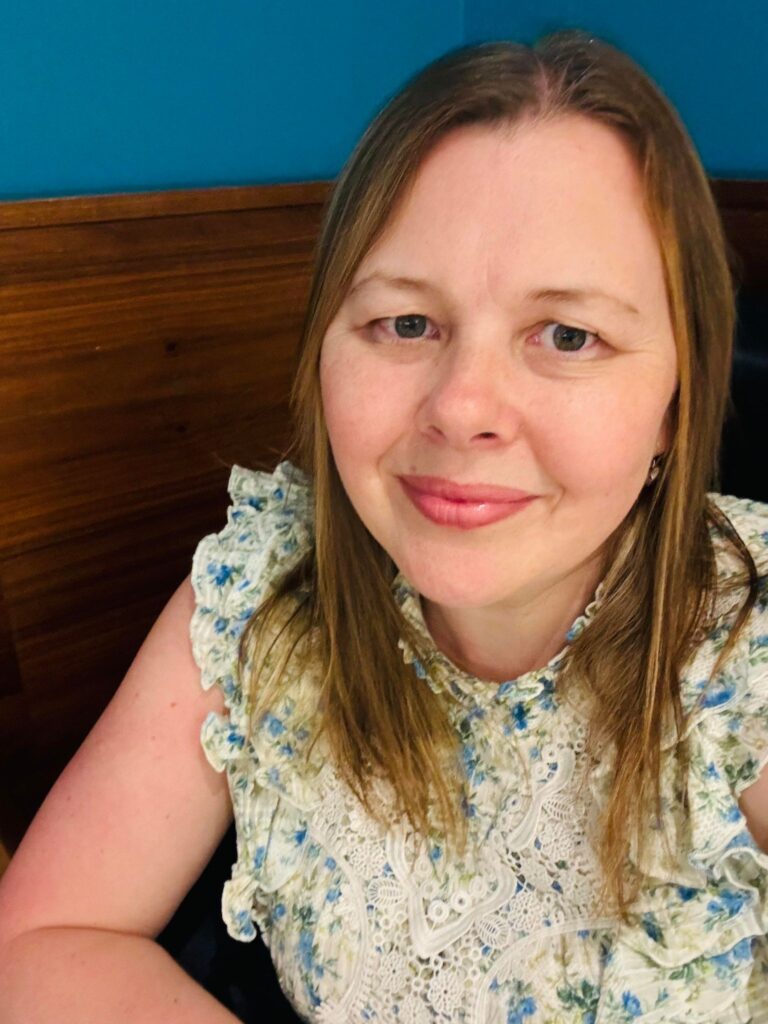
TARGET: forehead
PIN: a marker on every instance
(496, 208)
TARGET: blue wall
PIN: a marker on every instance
(130, 95)
(127, 95)
(709, 57)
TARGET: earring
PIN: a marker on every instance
(655, 469)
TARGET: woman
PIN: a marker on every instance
(484, 661)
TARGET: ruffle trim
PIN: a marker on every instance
(271, 845)
(269, 528)
(443, 676)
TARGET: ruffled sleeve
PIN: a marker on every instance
(696, 947)
(268, 530)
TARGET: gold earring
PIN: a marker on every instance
(655, 469)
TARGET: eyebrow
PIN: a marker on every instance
(537, 295)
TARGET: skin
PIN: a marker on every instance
(486, 396)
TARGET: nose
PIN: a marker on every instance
(470, 399)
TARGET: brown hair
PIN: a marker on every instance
(661, 585)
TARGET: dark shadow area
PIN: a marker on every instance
(743, 460)
(239, 974)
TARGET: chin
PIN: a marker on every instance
(454, 586)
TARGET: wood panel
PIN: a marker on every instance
(147, 344)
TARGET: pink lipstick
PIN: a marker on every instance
(464, 506)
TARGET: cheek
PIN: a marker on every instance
(602, 446)
(363, 409)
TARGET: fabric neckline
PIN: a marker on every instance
(444, 676)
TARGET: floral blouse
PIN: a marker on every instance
(366, 924)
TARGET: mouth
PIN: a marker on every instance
(453, 491)
(464, 506)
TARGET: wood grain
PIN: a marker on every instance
(147, 345)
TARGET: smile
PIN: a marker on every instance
(462, 513)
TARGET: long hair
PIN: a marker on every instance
(661, 585)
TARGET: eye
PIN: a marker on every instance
(565, 338)
(401, 328)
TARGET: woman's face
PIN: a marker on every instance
(532, 349)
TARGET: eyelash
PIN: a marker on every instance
(574, 354)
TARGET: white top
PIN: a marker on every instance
(364, 925)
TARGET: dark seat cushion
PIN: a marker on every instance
(743, 461)
(239, 974)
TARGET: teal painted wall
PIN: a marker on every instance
(709, 57)
(130, 95)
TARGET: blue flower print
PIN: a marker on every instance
(273, 724)
(309, 963)
(305, 950)
(518, 1012)
(727, 904)
(220, 573)
(724, 963)
(652, 928)
(717, 696)
(546, 696)
(419, 669)
(235, 739)
(520, 716)
(686, 893)
(471, 761)
(245, 926)
(732, 813)
(742, 839)
(631, 1005)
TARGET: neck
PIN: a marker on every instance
(503, 641)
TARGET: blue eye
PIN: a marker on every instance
(407, 326)
(415, 327)
(571, 339)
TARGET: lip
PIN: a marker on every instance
(465, 506)
(452, 491)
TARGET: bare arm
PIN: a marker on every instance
(119, 841)
(89, 976)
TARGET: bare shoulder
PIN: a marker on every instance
(138, 811)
